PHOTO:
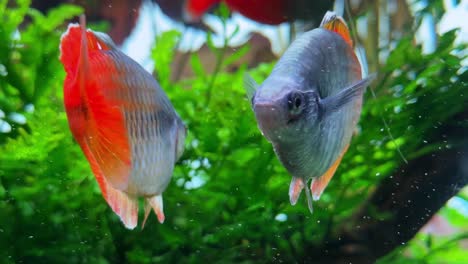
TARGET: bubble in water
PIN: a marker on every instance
(4, 127)
(29, 108)
(3, 70)
(281, 217)
(17, 118)
(195, 164)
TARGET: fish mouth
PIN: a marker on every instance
(269, 117)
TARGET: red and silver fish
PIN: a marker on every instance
(310, 104)
(122, 120)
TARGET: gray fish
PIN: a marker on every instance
(308, 107)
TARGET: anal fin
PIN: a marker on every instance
(123, 205)
(318, 185)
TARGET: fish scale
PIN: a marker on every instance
(147, 146)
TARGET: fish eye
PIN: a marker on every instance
(295, 103)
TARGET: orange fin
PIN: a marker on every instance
(335, 23)
(107, 139)
(74, 46)
(295, 189)
(97, 123)
(124, 206)
(155, 202)
(318, 185)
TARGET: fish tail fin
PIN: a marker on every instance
(318, 185)
(335, 23)
(155, 202)
(123, 205)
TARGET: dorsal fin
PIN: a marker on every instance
(335, 23)
(73, 47)
(83, 59)
(70, 45)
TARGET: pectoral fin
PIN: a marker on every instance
(335, 102)
(318, 185)
(250, 86)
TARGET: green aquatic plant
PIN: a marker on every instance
(227, 201)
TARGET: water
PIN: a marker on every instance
(227, 200)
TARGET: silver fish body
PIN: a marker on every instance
(321, 62)
(309, 105)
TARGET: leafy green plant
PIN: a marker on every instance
(227, 201)
(30, 65)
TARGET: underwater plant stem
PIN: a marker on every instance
(445, 245)
(217, 69)
(374, 69)
(219, 60)
(373, 36)
(182, 62)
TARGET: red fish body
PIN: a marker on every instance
(122, 120)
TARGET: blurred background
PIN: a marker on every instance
(228, 198)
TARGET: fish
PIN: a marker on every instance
(123, 121)
(309, 105)
(270, 12)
